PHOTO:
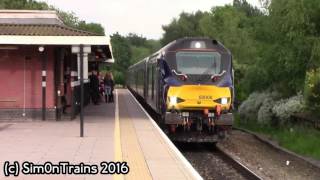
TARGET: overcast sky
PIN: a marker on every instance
(143, 17)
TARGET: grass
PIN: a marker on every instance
(301, 140)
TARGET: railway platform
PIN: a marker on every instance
(145, 147)
(121, 131)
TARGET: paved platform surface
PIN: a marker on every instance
(41, 141)
(145, 148)
(120, 131)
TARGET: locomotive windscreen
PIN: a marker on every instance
(199, 66)
(194, 63)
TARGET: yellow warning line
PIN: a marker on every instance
(131, 149)
(189, 167)
(130, 145)
(117, 138)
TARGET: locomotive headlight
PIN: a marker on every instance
(173, 100)
(224, 101)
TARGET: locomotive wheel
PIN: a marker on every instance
(200, 125)
(221, 134)
(221, 131)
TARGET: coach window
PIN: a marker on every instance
(156, 84)
(139, 80)
(152, 80)
(149, 81)
(136, 81)
(142, 82)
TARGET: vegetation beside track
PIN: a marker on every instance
(302, 140)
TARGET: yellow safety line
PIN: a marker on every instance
(117, 138)
(129, 142)
(194, 173)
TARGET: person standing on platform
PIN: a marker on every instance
(108, 87)
(112, 87)
(101, 86)
(94, 87)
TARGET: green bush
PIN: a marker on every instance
(249, 108)
(285, 108)
(119, 77)
(265, 115)
(266, 108)
(300, 139)
(312, 91)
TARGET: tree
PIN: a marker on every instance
(141, 47)
(128, 50)
(91, 27)
(153, 45)
(69, 18)
(187, 25)
(136, 40)
(122, 55)
(289, 45)
(226, 25)
(139, 53)
(248, 9)
(23, 4)
(121, 52)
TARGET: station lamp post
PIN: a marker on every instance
(44, 80)
(82, 54)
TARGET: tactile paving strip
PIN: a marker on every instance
(131, 150)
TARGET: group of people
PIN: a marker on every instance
(101, 86)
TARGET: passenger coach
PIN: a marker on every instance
(189, 84)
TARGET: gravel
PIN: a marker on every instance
(208, 162)
(267, 162)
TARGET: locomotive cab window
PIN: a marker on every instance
(198, 62)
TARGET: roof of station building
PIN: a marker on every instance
(36, 23)
(41, 30)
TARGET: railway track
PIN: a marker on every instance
(213, 163)
(246, 172)
(209, 160)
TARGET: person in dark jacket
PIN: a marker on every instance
(112, 87)
(94, 87)
(108, 87)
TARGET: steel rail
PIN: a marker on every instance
(241, 168)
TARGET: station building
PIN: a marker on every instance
(40, 64)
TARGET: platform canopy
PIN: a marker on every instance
(24, 27)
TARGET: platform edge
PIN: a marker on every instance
(185, 162)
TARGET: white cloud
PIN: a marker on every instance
(139, 16)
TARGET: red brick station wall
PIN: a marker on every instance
(14, 64)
